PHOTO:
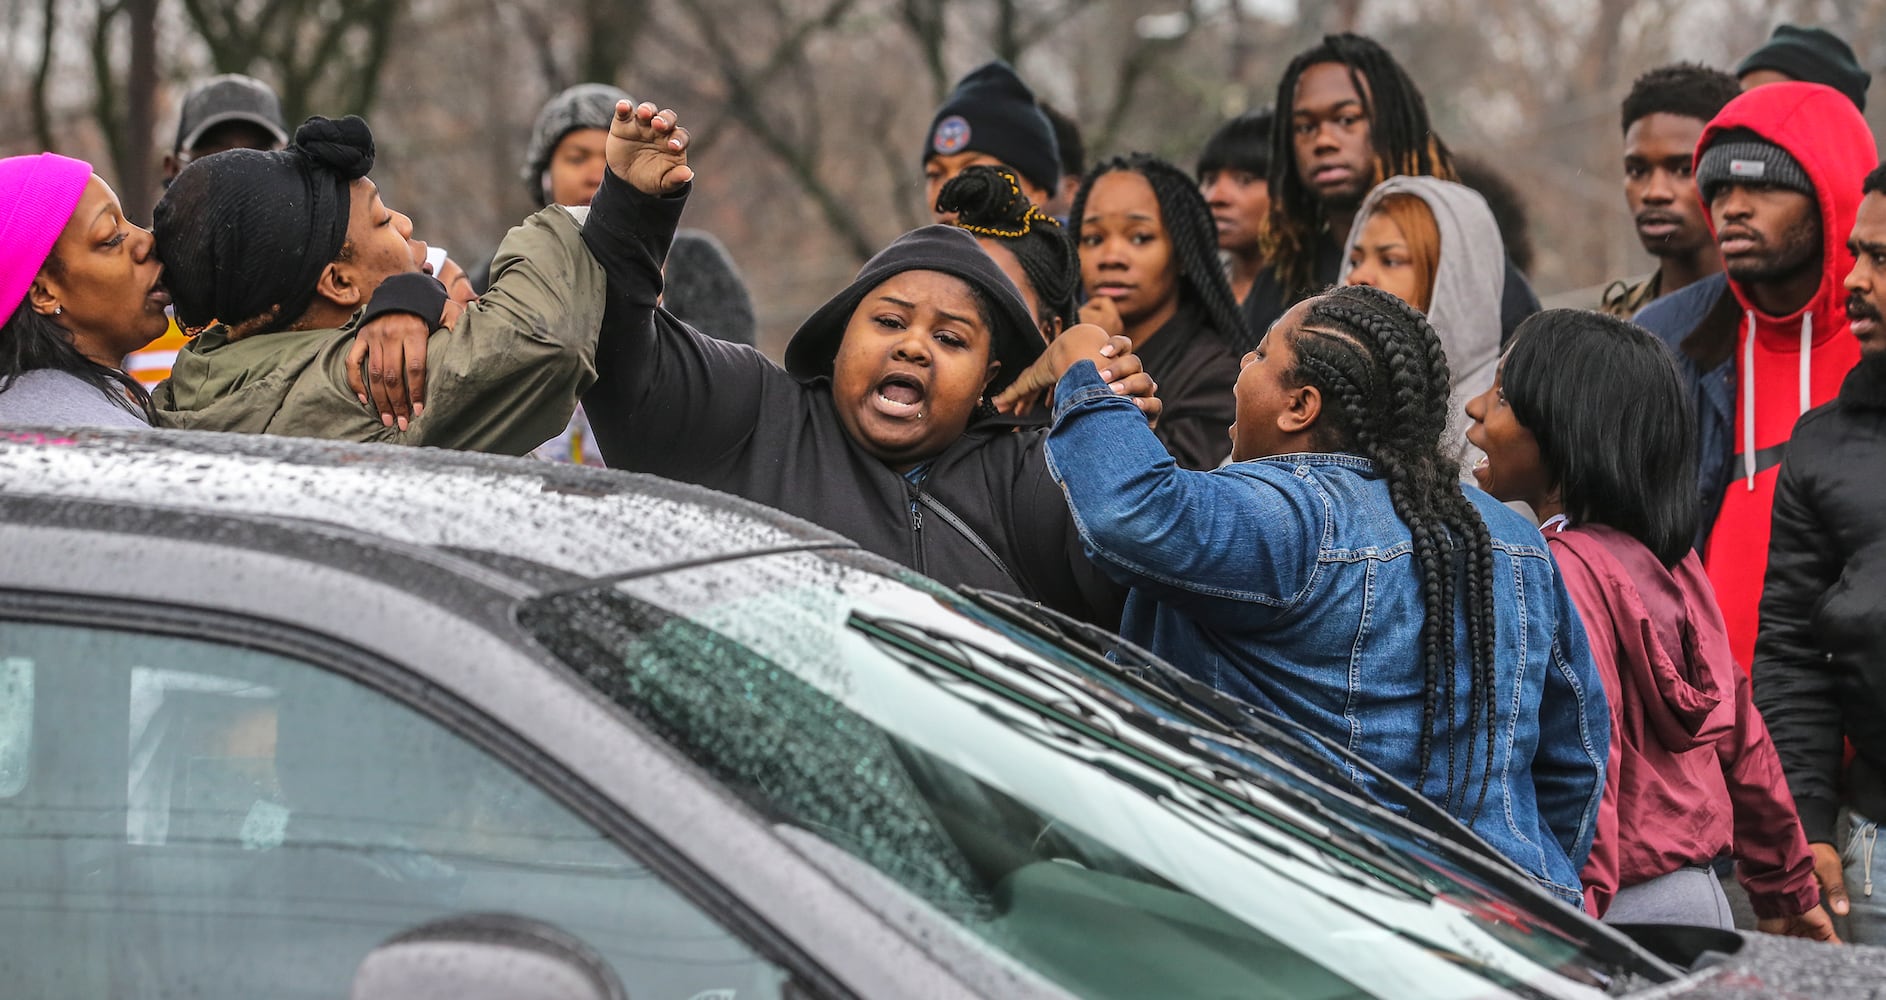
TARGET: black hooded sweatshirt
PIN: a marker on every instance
(673, 402)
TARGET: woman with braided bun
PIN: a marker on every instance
(1029, 245)
(1338, 573)
(1149, 254)
(282, 263)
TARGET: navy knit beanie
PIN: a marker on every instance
(1811, 55)
(992, 111)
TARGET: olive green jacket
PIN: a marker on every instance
(505, 378)
(1623, 297)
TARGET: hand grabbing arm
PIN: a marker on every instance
(1111, 354)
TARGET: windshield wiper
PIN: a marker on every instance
(1226, 713)
(1249, 727)
(1342, 838)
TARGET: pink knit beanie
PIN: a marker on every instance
(37, 197)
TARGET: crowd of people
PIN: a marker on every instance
(1603, 584)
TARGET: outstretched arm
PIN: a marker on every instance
(667, 399)
(1193, 537)
(1773, 859)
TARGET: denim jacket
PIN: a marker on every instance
(1291, 583)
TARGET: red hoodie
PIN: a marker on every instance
(1692, 774)
(1790, 364)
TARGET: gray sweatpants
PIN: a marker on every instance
(1690, 896)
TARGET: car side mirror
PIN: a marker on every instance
(485, 956)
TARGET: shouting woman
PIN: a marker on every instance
(878, 427)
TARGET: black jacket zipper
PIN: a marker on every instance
(916, 529)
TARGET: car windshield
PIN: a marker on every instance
(989, 772)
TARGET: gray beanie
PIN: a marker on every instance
(586, 105)
(1744, 157)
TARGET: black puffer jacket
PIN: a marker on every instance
(673, 402)
(1820, 661)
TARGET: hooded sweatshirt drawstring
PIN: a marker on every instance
(1748, 388)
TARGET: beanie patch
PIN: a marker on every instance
(951, 136)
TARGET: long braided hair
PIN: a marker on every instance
(988, 201)
(1399, 130)
(1188, 224)
(1384, 380)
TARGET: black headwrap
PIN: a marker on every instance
(245, 233)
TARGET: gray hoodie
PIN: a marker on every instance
(1468, 284)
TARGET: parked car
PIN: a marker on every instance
(265, 703)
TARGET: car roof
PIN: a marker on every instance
(520, 514)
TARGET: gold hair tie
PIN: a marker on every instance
(990, 231)
(1028, 217)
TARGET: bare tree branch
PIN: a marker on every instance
(326, 55)
(106, 89)
(1145, 55)
(790, 147)
(42, 74)
(925, 21)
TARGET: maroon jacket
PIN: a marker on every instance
(1692, 773)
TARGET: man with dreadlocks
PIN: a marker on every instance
(1354, 119)
(1299, 577)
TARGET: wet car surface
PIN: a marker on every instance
(268, 702)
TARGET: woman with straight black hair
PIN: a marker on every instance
(1692, 774)
(1234, 177)
(1613, 453)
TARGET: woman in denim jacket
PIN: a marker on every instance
(1337, 573)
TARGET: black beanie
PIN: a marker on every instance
(992, 111)
(1811, 55)
(244, 232)
(1015, 340)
